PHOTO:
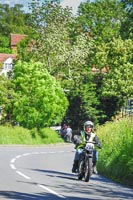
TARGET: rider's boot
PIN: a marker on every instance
(75, 166)
(95, 168)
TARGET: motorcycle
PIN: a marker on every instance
(85, 165)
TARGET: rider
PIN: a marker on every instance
(86, 135)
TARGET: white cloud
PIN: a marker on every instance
(72, 3)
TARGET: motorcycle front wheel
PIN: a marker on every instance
(88, 169)
(81, 170)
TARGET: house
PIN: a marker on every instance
(6, 60)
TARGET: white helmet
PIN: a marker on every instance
(88, 123)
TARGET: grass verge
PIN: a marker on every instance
(116, 156)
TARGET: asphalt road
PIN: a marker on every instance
(44, 173)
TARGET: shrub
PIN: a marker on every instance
(20, 135)
(116, 158)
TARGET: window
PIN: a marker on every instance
(8, 66)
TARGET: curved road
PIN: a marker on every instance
(44, 172)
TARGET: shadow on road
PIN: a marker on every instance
(52, 173)
(47, 196)
(40, 196)
(98, 188)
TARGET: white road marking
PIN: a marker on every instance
(60, 152)
(51, 191)
(42, 152)
(26, 154)
(35, 153)
(21, 174)
(19, 156)
(26, 177)
(13, 160)
(12, 166)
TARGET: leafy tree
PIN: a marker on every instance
(70, 47)
(119, 79)
(83, 102)
(127, 24)
(62, 49)
(24, 49)
(101, 18)
(53, 45)
(116, 84)
(112, 56)
(12, 20)
(6, 98)
(38, 98)
(4, 45)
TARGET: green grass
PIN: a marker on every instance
(19, 135)
(116, 157)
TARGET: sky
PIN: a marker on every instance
(71, 3)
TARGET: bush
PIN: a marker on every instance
(116, 158)
(49, 136)
(20, 135)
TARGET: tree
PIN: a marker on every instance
(83, 102)
(101, 19)
(127, 24)
(6, 91)
(115, 85)
(38, 98)
(119, 59)
(4, 45)
(61, 48)
(13, 20)
(54, 45)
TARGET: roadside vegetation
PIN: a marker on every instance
(116, 156)
(19, 135)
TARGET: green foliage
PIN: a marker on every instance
(24, 49)
(49, 136)
(116, 157)
(118, 81)
(69, 47)
(83, 102)
(6, 90)
(63, 52)
(38, 98)
(4, 44)
(127, 24)
(101, 18)
(20, 135)
(54, 45)
(13, 20)
(114, 86)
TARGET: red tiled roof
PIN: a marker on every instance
(4, 56)
(15, 38)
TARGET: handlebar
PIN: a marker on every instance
(93, 142)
